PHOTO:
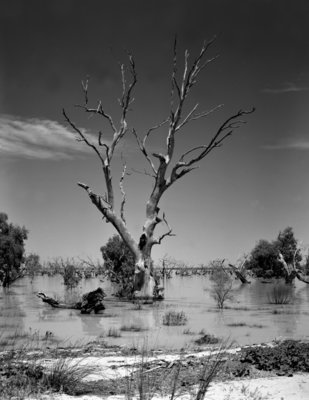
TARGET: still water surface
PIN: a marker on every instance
(21, 310)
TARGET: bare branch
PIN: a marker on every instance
(174, 78)
(168, 233)
(143, 172)
(85, 89)
(193, 116)
(100, 111)
(126, 98)
(142, 145)
(231, 123)
(82, 137)
(123, 201)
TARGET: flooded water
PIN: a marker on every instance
(250, 318)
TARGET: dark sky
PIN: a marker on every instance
(252, 188)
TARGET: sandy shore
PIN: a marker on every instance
(115, 366)
(275, 388)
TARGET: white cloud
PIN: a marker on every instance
(286, 88)
(38, 138)
(295, 145)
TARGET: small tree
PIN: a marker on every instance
(119, 265)
(32, 265)
(263, 260)
(12, 249)
(165, 168)
(222, 283)
(71, 275)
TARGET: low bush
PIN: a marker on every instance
(287, 357)
(207, 339)
(281, 293)
(174, 318)
(132, 328)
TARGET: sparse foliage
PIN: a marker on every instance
(222, 283)
(71, 276)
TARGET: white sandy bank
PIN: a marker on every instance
(275, 388)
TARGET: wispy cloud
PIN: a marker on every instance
(292, 145)
(37, 138)
(286, 88)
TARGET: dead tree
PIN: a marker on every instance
(165, 170)
(240, 270)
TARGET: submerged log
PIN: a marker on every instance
(92, 301)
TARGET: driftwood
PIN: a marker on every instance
(239, 274)
(92, 301)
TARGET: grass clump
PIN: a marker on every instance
(66, 375)
(188, 332)
(236, 324)
(23, 373)
(132, 328)
(113, 332)
(174, 318)
(281, 293)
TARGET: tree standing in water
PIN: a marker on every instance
(165, 169)
(12, 250)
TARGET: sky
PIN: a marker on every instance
(249, 189)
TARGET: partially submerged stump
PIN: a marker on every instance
(92, 301)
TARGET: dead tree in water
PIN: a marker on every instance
(165, 169)
(92, 301)
(240, 270)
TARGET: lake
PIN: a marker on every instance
(250, 318)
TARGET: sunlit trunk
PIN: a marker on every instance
(144, 282)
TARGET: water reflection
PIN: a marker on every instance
(250, 318)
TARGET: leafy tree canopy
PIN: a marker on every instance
(12, 249)
(119, 265)
(263, 259)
